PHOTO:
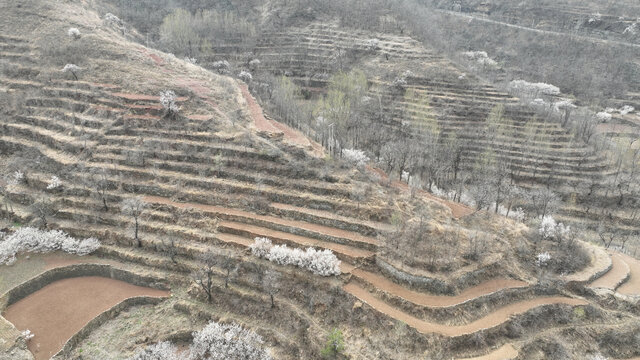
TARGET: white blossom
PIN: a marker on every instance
(227, 342)
(191, 60)
(319, 262)
(168, 101)
(481, 57)
(626, 109)
(30, 239)
(74, 33)
(355, 156)
(54, 183)
(221, 66)
(533, 90)
(543, 259)
(594, 18)
(372, 44)
(245, 76)
(550, 229)
(254, 63)
(16, 178)
(27, 334)
(631, 29)
(261, 247)
(603, 116)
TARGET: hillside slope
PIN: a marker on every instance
(217, 174)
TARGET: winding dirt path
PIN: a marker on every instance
(435, 301)
(271, 126)
(321, 229)
(506, 352)
(491, 320)
(632, 285)
(614, 277)
(58, 310)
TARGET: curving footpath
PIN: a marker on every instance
(486, 288)
(632, 285)
(506, 352)
(618, 273)
(491, 320)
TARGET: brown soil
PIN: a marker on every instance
(491, 320)
(57, 311)
(418, 298)
(271, 126)
(507, 351)
(618, 273)
(332, 215)
(632, 286)
(56, 260)
(292, 223)
(261, 123)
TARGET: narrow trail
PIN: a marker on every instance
(271, 126)
(59, 310)
(435, 301)
(506, 352)
(272, 219)
(539, 31)
(632, 285)
(614, 277)
(491, 320)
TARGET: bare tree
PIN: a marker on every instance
(270, 280)
(99, 182)
(203, 276)
(43, 208)
(134, 207)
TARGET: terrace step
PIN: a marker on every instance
(505, 352)
(494, 319)
(618, 274)
(632, 286)
(308, 229)
(344, 252)
(437, 301)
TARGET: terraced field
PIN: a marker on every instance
(214, 184)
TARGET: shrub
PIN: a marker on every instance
(54, 183)
(168, 102)
(214, 342)
(261, 247)
(334, 345)
(551, 230)
(543, 259)
(30, 239)
(245, 76)
(227, 342)
(603, 116)
(73, 69)
(355, 156)
(74, 33)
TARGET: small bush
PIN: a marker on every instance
(334, 345)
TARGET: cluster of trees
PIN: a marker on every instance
(215, 341)
(194, 34)
(319, 262)
(28, 239)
